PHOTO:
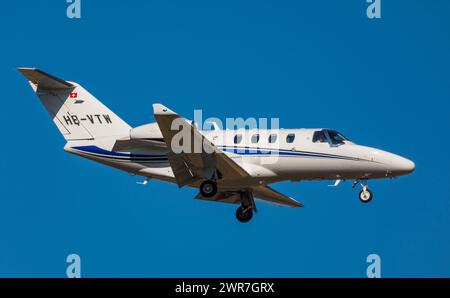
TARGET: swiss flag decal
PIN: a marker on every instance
(73, 95)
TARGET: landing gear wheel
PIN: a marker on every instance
(365, 195)
(208, 189)
(244, 216)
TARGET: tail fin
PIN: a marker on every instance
(77, 114)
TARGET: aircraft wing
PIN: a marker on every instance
(268, 194)
(197, 163)
(194, 162)
(262, 192)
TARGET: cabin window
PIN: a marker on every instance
(272, 138)
(237, 139)
(255, 139)
(319, 137)
(290, 138)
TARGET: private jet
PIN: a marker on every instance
(230, 166)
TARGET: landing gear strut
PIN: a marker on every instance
(245, 212)
(208, 188)
(365, 195)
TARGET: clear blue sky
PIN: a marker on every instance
(383, 83)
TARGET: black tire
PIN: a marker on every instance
(363, 199)
(208, 189)
(244, 216)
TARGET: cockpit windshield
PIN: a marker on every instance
(329, 136)
(336, 137)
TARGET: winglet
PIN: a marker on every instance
(159, 109)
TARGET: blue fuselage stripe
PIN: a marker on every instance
(259, 151)
(99, 152)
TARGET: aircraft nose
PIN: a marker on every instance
(406, 165)
(401, 166)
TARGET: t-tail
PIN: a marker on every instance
(76, 113)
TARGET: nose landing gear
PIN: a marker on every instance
(365, 195)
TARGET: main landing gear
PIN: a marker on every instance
(244, 214)
(208, 188)
(365, 195)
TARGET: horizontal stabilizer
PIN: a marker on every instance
(44, 80)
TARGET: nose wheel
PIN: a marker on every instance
(365, 195)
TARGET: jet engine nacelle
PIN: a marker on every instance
(148, 132)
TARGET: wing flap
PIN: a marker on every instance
(268, 194)
(222, 197)
(181, 171)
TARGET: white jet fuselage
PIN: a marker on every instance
(265, 161)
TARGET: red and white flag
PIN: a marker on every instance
(73, 95)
